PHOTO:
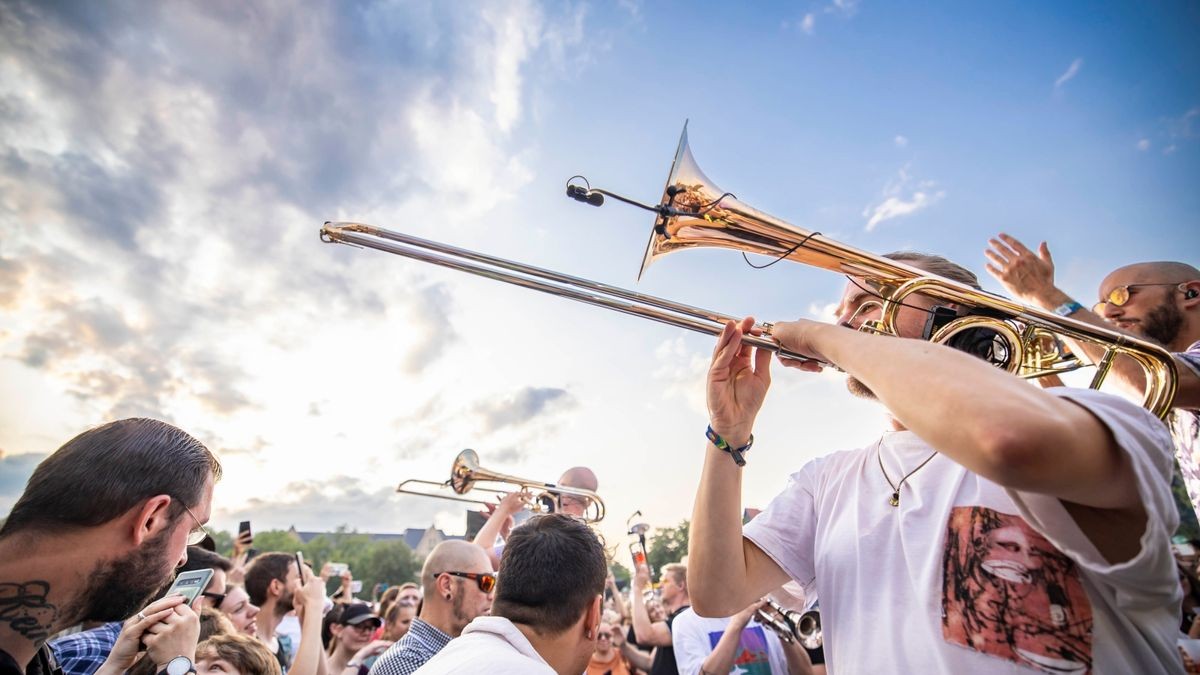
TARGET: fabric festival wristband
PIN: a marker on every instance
(1068, 308)
(736, 453)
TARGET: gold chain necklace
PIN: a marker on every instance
(895, 500)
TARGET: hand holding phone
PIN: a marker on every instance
(176, 635)
(125, 650)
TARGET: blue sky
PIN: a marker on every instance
(164, 171)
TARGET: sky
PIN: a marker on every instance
(165, 170)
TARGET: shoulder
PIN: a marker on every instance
(1131, 425)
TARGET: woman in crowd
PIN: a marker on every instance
(351, 644)
(397, 620)
(607, 659)
(240, 610)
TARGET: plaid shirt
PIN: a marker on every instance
(83, 653)
(417, 646)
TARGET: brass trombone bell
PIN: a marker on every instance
(466, 472)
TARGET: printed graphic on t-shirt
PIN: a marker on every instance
(752, 658)
(1009, 593)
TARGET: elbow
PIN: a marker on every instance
(714, 607)
(1012, 454)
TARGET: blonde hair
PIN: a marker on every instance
(936, 264)
(247, 654)
(678, 572)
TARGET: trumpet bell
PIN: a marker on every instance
(808, 629)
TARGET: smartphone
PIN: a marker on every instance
(356, 586)
(190, 584)
(300, 566)
(336, 569)
(244, 528)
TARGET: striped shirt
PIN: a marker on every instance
(417, 646)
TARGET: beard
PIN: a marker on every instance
(1163, 323)
(857, 388)
(120, 587)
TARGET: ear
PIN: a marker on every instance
(1191, 293)
(275, 588)
(151, 517)
(443, 585)
(336, 629)
(591, 619)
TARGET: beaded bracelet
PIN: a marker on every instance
(720, 444)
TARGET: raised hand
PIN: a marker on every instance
(1027, 275)
(737, 384)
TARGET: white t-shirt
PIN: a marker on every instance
(489, 644)
(694, 638)
(965, 576)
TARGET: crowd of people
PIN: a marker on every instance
(994, 526)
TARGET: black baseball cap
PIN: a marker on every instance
(357, 613)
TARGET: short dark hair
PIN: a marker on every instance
(262, 571)
(552, 569)
(104, 472)
(202, 559)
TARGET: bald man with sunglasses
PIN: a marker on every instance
(459, 585)
(1156, 301)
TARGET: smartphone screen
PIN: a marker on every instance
(356, 586)
(190, 584)
(243, 527)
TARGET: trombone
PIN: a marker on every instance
(466, 472)
(694, 212)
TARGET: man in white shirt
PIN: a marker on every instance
(998, 527)
(546, 612)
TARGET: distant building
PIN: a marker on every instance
(420, 541)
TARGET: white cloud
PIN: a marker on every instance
(808, 23)
(902, 196)
(1069, 74)
(1143, 144)
(900, 141)
(844, 7)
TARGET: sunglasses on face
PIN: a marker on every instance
(217, 598)
(486, 581)
(1120, 295)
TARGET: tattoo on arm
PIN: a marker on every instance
(24, 608)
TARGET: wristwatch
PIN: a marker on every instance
(180, 665)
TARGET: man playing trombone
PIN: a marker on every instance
(996, 525)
